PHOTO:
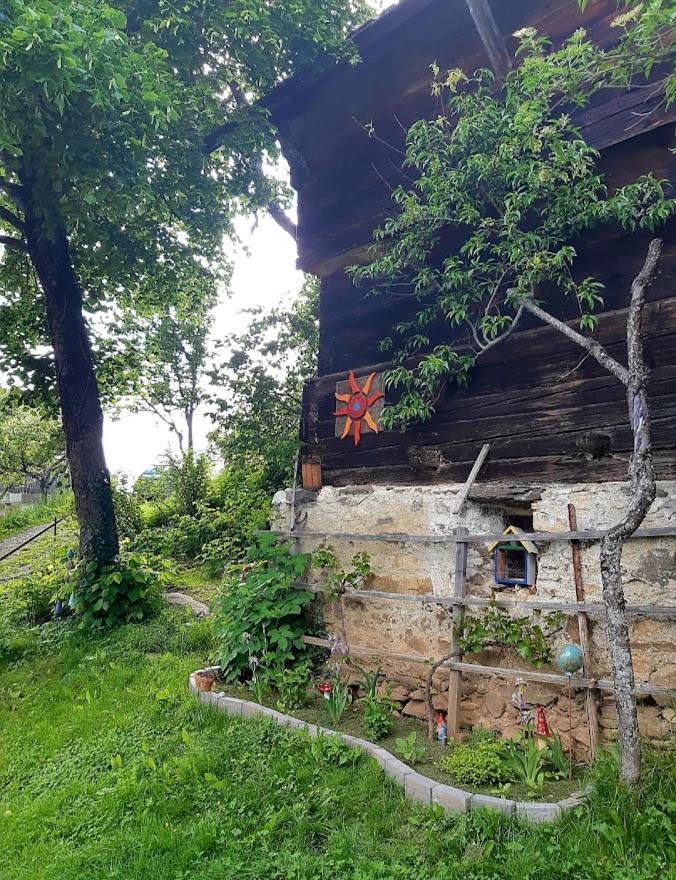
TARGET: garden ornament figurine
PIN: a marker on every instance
(542, 731)
(520, 704)
(442, 728)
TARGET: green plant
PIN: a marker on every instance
(189, 480)
(127, 509)
(480, 764)
(524, 634)
(336, 579)
(409, 748)
(370, 679)
(338, 699)
(260, 611)
(556, 757)
(332, 750)
(292, 684)
(528, 763)
(125, 591)
(378, 721)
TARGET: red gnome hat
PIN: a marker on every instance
(541, 729)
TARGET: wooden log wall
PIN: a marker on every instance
(543, 418)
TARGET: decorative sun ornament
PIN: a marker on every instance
(358, 405)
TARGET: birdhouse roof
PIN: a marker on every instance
(516, 532)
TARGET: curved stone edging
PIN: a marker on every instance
(417, 787)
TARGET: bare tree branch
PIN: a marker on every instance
(595, 349)
(16, 244)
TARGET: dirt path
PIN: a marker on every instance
(15, 541)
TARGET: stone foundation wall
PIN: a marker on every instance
(410, 628)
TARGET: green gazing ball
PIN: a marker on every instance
(569, 659)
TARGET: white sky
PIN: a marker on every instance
(264, 274)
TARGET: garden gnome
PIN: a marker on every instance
(442, 728)
(542, 731)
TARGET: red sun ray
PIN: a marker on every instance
(357, 409)
(354, 387)
(357, 432)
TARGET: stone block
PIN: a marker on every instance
(419, 788)
(536, 813)
(502, 805)
(382, 756)
(495, 704)
(451, 798)
(572, 801)
(230, 705)
(207, 698)
(250, 710)
(415, 709)
(397, 770)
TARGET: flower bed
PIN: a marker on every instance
(425, 779)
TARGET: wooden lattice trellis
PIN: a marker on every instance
(458, 601)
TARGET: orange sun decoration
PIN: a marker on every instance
(357, 409)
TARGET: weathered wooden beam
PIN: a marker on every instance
(392, 538)
(485, 23)
(473, 474)
(455, 680)
(601, 684)
(583, 630)
(593, 609)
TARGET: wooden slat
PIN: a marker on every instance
(473, 474)
(500, 671)
(583, 630)
(593, 609)
(455, 681)
(482, 14)
(393, 538)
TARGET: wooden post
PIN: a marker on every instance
(583, 629)
(455, 679)
(482, 14)
(464, 492)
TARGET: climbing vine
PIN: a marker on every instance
(529, 635)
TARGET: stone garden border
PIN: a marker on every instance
(417, 787)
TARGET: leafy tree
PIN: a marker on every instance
(104, 187)
(259, 413)
(166, 353)
(509, 171)
(31, 445)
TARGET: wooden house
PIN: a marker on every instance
(557, 427)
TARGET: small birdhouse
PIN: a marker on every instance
(514, 560)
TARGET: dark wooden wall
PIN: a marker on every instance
(543, 418)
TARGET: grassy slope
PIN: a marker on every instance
(195, 794)
(19, 519)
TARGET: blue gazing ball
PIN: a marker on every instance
(569, 659)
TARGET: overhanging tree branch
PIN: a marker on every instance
(15, 244)
(12, 219)
(595, 349)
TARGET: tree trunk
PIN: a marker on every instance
(189, 415)
(642, 495)
(81, 411)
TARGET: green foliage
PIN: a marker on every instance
(509, 170)
(32, 446)
(103, 113)
(304, 808)
(128, 513)
(409, 749)
(259, 411)
(527, 763)
(260, 614)
(525, 635)
(29, 601)
(291, 683)
(338, 699)
(377, 721)
(17, 519)
(125, 591)
(188, 477)
(482, 763)
(336, 580)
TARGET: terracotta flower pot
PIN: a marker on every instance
(205, 681)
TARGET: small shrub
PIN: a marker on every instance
(332, 750)
(123, 592)
(189, 480)
(291, 684)
(481, 764)
(260, 612)
(378, 721)
(127, 509)
(338, 699)
(409, 749)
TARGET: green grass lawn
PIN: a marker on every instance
(109, 768)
